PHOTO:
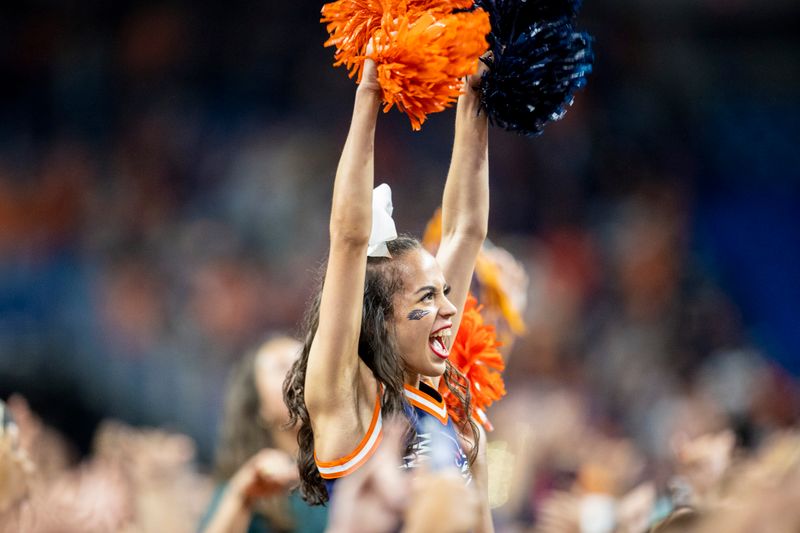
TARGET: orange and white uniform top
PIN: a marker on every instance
(436, 443)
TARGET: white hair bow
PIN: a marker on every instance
(383, 229)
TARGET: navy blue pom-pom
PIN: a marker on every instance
(538, 60)
(510, 18)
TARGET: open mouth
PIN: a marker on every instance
(439, 341)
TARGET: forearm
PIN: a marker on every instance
(465, 204)
(351, 210)
(333, 360)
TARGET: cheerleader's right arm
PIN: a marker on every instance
(333, 372)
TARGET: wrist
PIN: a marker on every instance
(368, 98)
(469, 103)
(236, 493)
(369, 90)
(369, 78)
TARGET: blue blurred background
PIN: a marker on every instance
(165, 174)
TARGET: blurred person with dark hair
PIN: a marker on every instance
(255, 463)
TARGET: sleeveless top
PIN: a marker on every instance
(436, 443)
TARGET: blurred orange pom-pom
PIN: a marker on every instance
(475, 353)
(494, 295)
(432, 236)
(422, 49)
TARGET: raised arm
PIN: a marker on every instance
(333, 363)
(465, 205)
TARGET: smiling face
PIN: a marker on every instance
(422, 316)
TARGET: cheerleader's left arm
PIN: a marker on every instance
(465, 202)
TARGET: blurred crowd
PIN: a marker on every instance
(164, 178)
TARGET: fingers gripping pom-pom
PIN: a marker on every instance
(537, 64)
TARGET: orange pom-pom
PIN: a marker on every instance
(351, 24)
(475, 354)
(439, 6)
(433, 232)
(422, 49)
(422, 59)
(494, 295)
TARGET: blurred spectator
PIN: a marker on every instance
(137, 481)
(255, 462)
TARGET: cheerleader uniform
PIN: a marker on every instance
(436, 443)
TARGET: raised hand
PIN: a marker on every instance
(267, 473)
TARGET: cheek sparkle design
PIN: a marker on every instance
(418, 314)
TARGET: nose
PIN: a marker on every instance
(448, 310)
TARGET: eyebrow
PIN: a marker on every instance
(431, 288)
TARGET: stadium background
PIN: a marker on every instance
(165, 172)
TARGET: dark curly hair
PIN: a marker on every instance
(378, 349)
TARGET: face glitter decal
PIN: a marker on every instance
(418, 314)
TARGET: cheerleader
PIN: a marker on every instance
(378, 333)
